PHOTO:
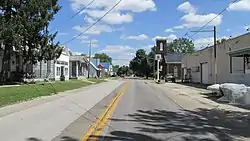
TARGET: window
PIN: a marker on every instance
(58, 71)
(66, 71)
(161, 46)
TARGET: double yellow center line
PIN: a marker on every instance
(96, 129)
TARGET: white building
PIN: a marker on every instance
(232, 57)
(53, 70)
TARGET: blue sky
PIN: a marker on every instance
(135, 24)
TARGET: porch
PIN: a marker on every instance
(78, 67)
(240, 73)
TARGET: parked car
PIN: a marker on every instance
(170, 77)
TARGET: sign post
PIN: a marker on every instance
(158, 58)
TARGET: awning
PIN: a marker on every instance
(240, 52)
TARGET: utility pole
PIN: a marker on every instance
(215, 50)
(89, 57)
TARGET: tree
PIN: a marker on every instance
(151, 58)
(124, 70)
(140, 64)
(115, 68)
(181, 45)
(103, 57)
(23, 31)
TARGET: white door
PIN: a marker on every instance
(204, 73)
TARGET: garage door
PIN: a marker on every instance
(204, 73)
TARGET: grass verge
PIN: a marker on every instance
(96, 80)
(10, 95)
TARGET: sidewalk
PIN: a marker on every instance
(226, 120)
(200, 95)
(45, 117)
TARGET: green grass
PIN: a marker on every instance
(96, 80)
(10, 95)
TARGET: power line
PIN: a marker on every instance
(210, 20)
(77, 13)
(94, 22)
(82, 9)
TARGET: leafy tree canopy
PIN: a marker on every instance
(181, 45)
(103, 57)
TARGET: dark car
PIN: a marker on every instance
(170, 77)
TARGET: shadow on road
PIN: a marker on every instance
(189, 125)
(185, 125)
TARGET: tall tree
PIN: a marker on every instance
(103, 57)
(140, 64)
(24, 24)
(10, 30)
(181, 45)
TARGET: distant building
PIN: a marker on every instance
(79, 67)
(108, 68)
(173, 64)
(170, 62)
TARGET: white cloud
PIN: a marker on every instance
(62, 34)
(94, 42)
(147, 48)
(138, 37)
(128, 5)
(247, 27)
(118, 29)
(117, 49)
(120, 14)
(228, 30)
(205, 42)
(169, 38)
(186, 7)
(95, 30)
(169, 30)
(178, 27)
(83, 37)
(194, 20)
(123, 58)
(111, 18)
(242, 5)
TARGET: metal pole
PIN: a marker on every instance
(158, 70)
(215, 55)
(89, 58)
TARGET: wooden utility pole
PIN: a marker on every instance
(89, 58)
(215, 52)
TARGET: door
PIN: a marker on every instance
(204, 73)
(62, 71)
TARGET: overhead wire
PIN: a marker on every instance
(77, 13)
(191, 37)
(80, 34)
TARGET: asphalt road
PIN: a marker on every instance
(136, 110)
(142, 113)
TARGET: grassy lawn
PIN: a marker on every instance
(10, 95)
(99, 80)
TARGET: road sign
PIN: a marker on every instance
(157, 56)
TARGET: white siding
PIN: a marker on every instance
(63, 58)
